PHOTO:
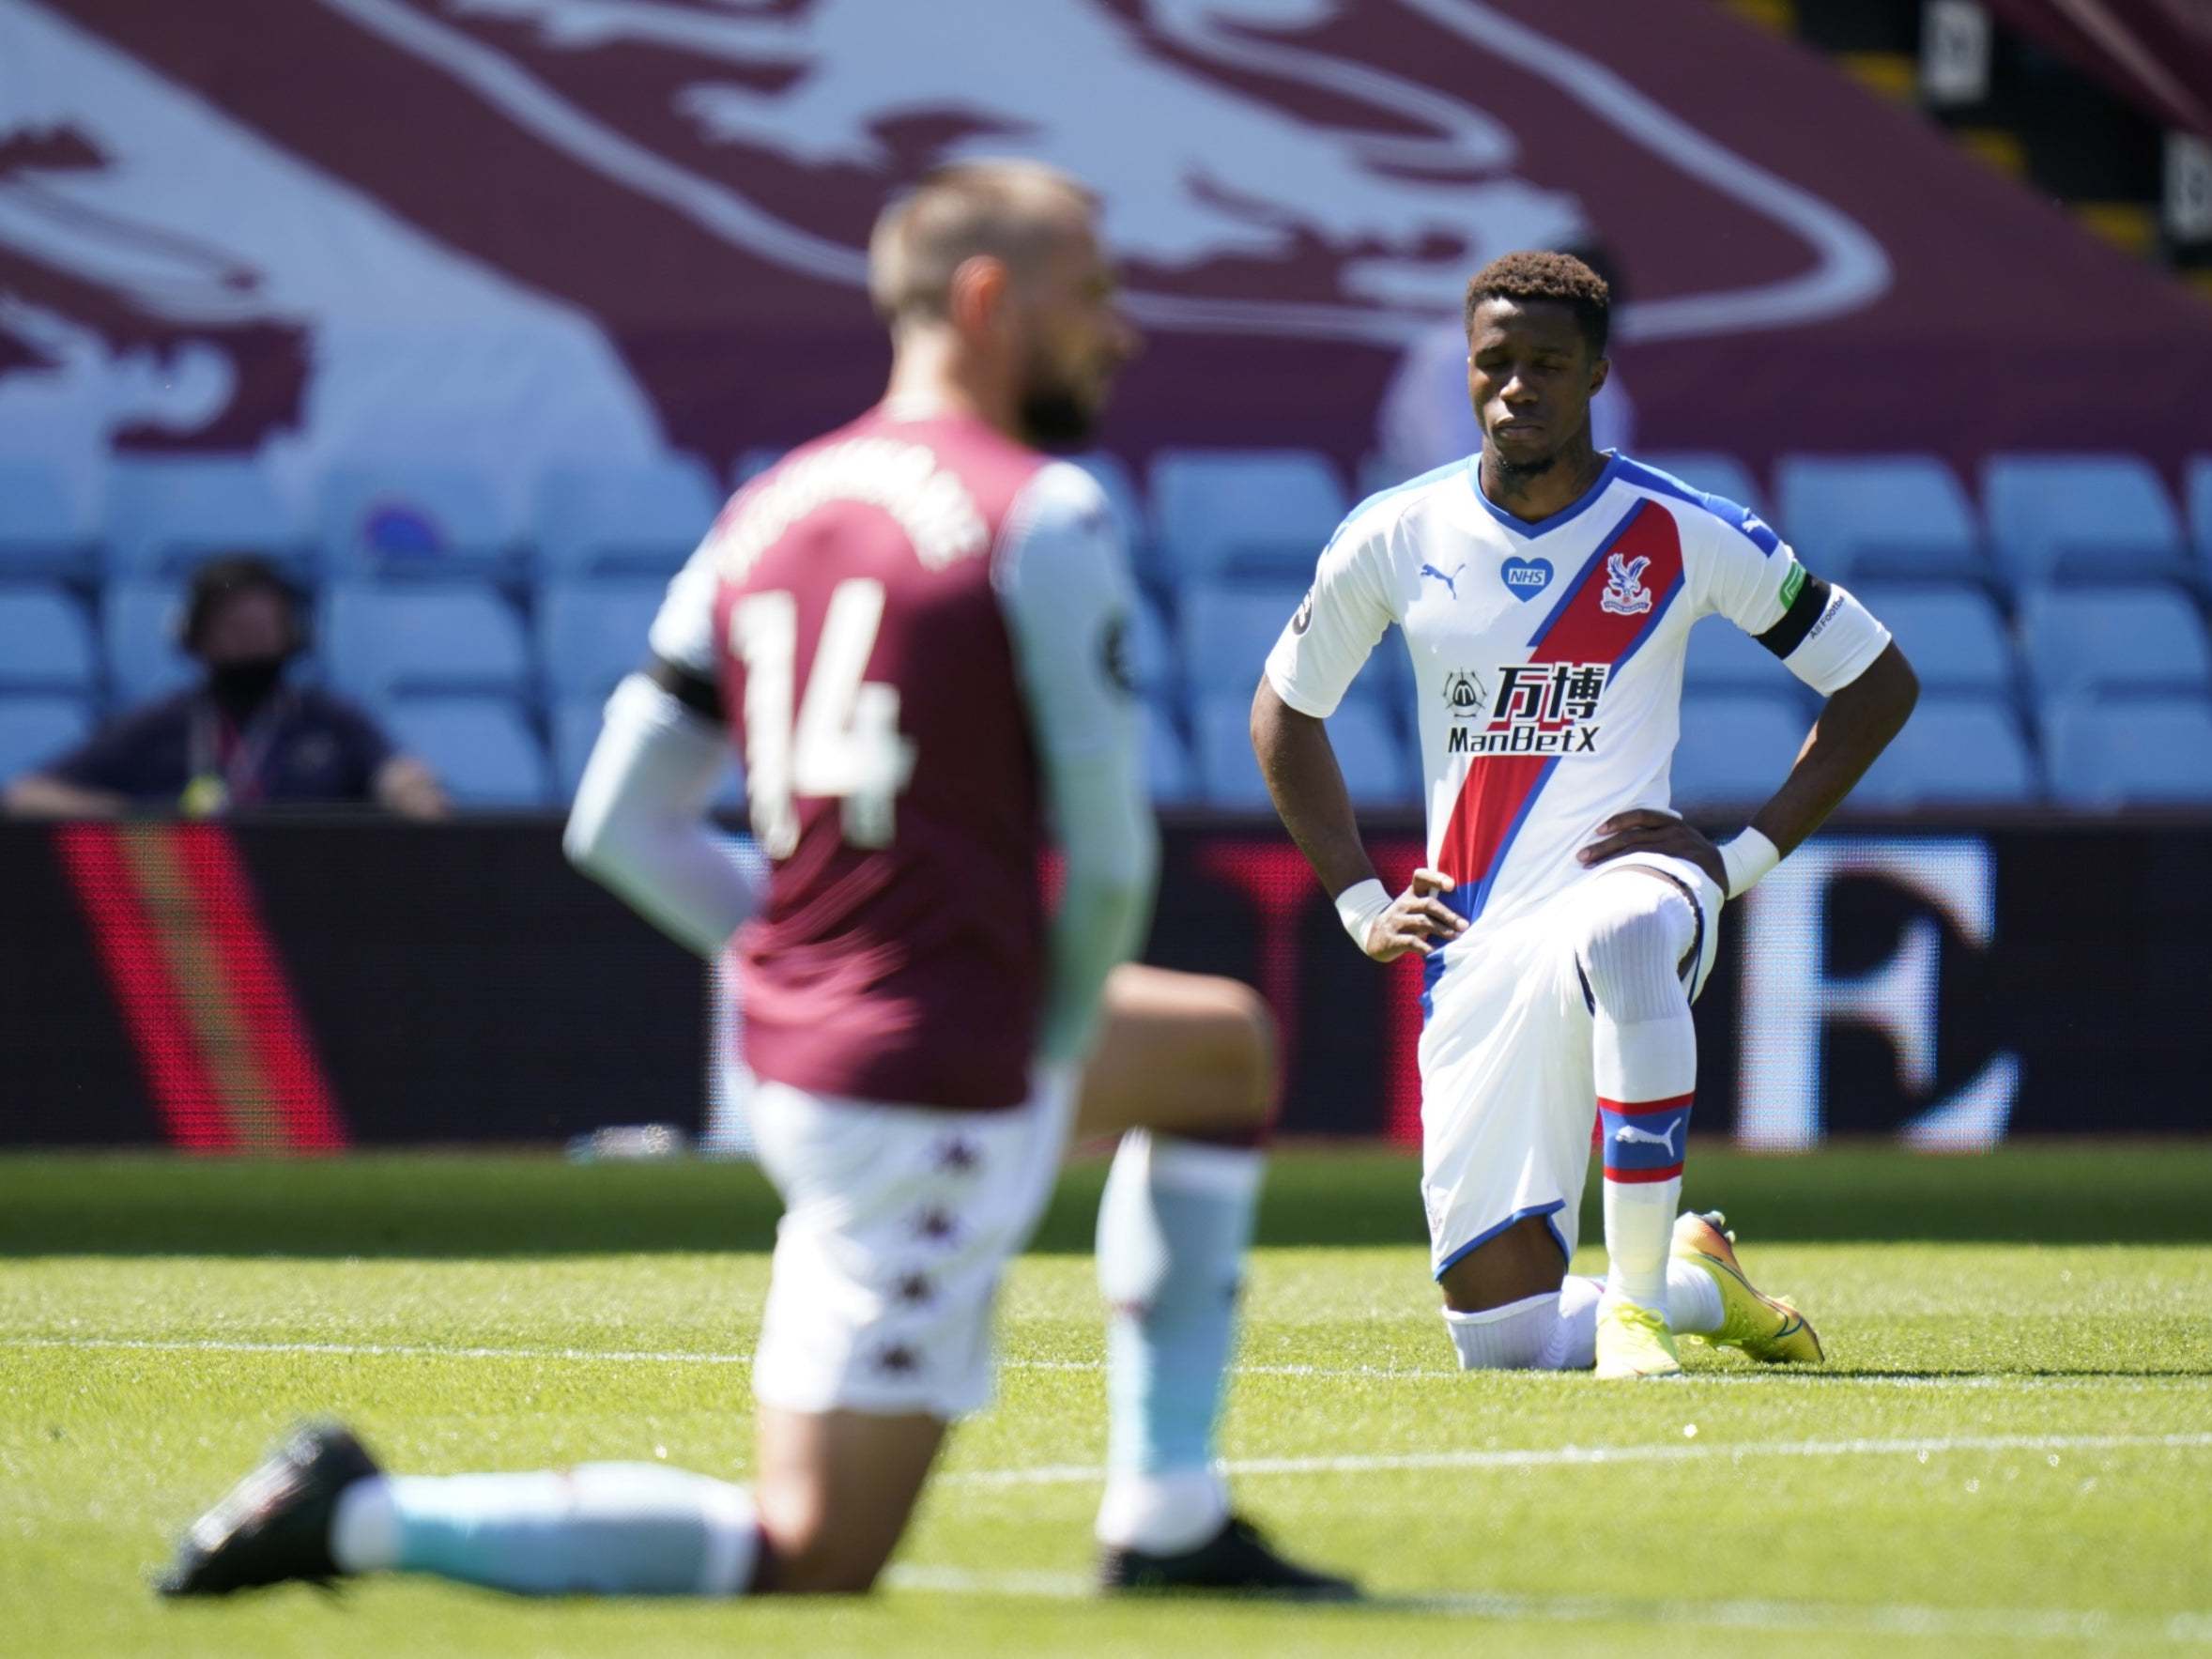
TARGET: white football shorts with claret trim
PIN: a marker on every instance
(899, 1222)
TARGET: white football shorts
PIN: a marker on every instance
(1507, 1095)
(897, 1225)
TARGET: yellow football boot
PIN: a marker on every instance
(1634, 1341)
(1766, 1327)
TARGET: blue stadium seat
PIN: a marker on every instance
(2131, 751)
(1228, 631)
(1953, 636)
(1723, 657)
(45, 644)
(138, 622)
(1217, 511)
(575, 729)
(43, 532)
(2079, 640)
(1710, 472)
(1378, 771)
(1228, 773)
(37, 730)
(592, 633)
(1905, 518)
(413, 519)
(1956, 749)
(1735, 749)
(481, 748)
(1168, 772)
(2081, 518)
(642, 518)
(387, 642)
(167, 514)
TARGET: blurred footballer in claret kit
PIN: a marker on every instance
(1545, 591)
(911, 627)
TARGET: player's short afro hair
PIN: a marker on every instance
(1558, 277)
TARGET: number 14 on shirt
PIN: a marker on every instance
(845, 744)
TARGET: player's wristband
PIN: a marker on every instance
(1747, 859)
(1359, 905)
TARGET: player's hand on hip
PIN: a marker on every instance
(1646, 830)
(1416, 917)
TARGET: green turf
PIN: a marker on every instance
(2012, 1450)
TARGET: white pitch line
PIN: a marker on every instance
(1519, 1457)
(1765, 1376)
(1815, 1617)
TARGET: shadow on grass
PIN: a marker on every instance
(510, 1205)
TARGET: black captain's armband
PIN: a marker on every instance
(702, 697)
(1805, 607)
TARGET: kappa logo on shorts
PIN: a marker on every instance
(1541, 709)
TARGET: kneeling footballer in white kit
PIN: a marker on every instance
(1546, 592)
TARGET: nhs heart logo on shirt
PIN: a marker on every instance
(1525, 578)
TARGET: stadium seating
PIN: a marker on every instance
(645, 517)
(138, 624)
(1167, 759)
(1957, 749)
(481, 748)
(1952, 636)
(1713, 473)
(2085, 517)
(37, 730)
(1227, 631)
(2079, 640)
(1722, 657)
(413, 519)
(45, 644)
(1895, 517)
(1228, 773)
(386, 642)
(2117, 752)
(1735, 749)
(43, 531)
(592, 633)
(1218, 511)
(167, 514)
(1378, 771)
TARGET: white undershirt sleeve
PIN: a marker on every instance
(640, 825)
(1063, 586)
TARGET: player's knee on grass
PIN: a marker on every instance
(1636, 934)
(1521, 1262)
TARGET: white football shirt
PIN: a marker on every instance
(1548, 657)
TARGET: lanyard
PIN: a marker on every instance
(218, 748)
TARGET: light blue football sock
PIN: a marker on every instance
(1174, 1225)
(606, 1528)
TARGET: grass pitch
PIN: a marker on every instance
(2011, 1450)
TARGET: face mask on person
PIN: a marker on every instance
(245, 684)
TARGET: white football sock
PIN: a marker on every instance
(1644, 1058)
(1693, 1308)
(1512, 1338)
